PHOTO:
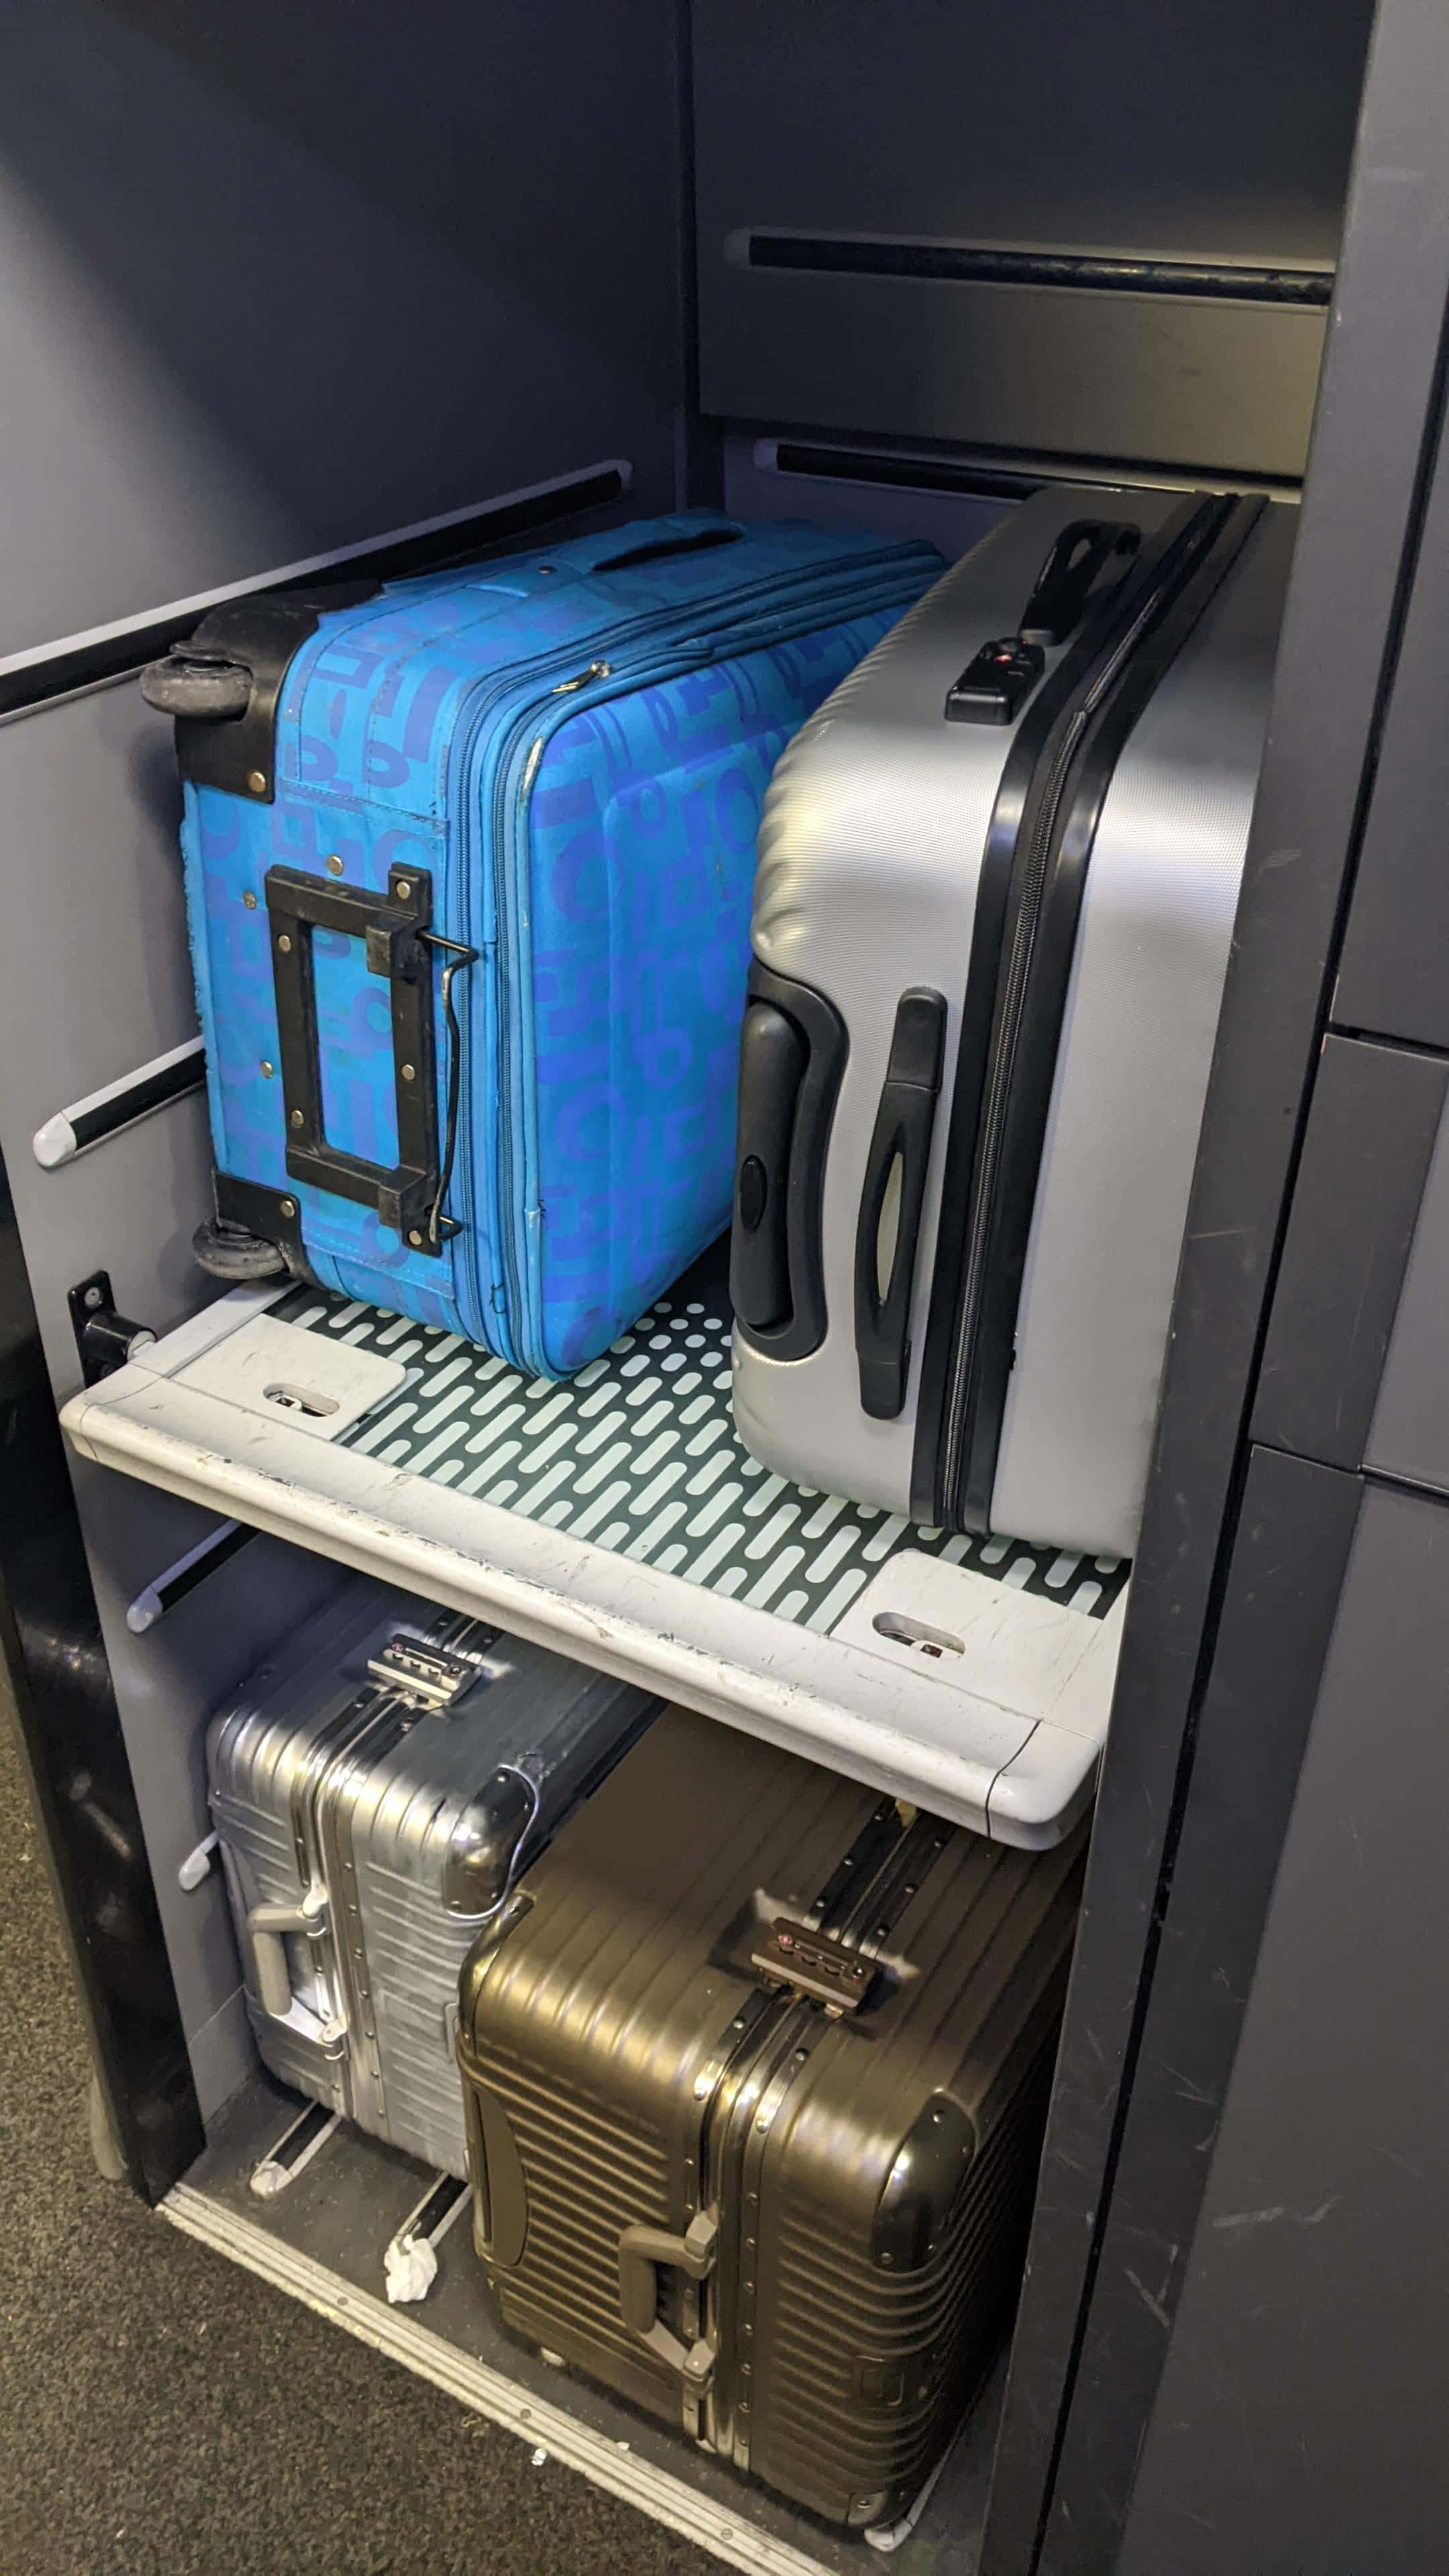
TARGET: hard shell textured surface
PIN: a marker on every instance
(628, 2063)
(871, 850)
(404, 1823)
(577, 754)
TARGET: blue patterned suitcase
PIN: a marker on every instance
(468, 872)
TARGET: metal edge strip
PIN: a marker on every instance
(622, 1617)
(623, 2473)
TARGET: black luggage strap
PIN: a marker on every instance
(399, 946)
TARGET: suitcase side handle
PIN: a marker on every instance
(1065, 582)
(698, 542)
(642, 2250)
(265, 1926)
(793, 1048)
(399, 945)
(891, 1199)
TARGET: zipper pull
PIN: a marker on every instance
(595, 671)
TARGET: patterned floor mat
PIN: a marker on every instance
(639, 1454)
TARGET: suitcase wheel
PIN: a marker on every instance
(207, 692)
(233, 1252)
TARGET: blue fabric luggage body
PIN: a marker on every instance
(468, 870)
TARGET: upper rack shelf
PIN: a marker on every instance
(618, 1518)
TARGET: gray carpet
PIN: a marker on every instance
(163, 2413)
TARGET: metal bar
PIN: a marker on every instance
(1078, 272)
(119, 1104)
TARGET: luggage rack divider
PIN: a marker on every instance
(301, 2140)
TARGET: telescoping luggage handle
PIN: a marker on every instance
(399, 946)
(992, 686)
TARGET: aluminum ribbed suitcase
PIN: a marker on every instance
(756, 2065)
(993, 908)
(375, 1790)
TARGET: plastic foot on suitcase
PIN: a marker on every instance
(294, 2148)
(893, 2535)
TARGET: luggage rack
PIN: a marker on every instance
(324, 2237)
(618, 1518)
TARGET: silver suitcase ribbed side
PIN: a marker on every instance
(375, 1791)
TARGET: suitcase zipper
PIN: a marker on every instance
(486, 1309)
(515, 761)
(958, 1502)
(410, 1677)
(857, 1911)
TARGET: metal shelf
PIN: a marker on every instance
(619, 1518)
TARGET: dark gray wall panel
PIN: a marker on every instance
(1189, 133)
(1371, 1130)
(1294, 1535)
(1409, 1436)
(1394, 975)
(94, 981)
(1299, 2423)
(273, 279)
(1355, 554)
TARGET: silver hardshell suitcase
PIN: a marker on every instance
(997, 879)
(376, 1790)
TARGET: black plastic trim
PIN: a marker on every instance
(406, 1194)
(272, 1215)
(1033, 1068)
(904, 1123)
(1202, 281)
(251, 641)
(1371, 1132)
(69, 1727)
(152, 1091)
(1048, 713)
(802, 1327)
(902, 473)
(87, 665)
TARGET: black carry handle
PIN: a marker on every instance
(1064, 583)
(696, 544)
(901, 1142)
(398, 945)
(773, 1057)
(1002, 674)
(793, 1048)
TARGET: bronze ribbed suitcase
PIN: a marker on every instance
(756, 2067)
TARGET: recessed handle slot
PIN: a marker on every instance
(933, 1642)
(299, 1399)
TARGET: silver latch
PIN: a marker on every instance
(430, 1676)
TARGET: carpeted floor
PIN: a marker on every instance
(163, 2414)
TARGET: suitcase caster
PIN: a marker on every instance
(232, 1252)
